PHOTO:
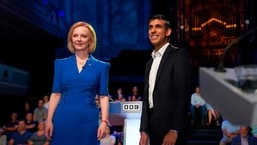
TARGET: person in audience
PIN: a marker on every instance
(11, 125)
(46, 101)
(3, 138)
(229, 131)
(73, 115)
(211, 112)
(31, 125)
(27, 108)
(119, 137)
(21, 136)
(197, 102)
(244, 138)
(40, 112)
(109, 138)
(134, 96)
(167, 88)
(38, 137)
(119, 96)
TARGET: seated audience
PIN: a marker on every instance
(27, 108)
(21, 136)
(3, 138)
(38, 137)
(134, 96)
(11, 125)
(197, 102)
(119, 96)
(229, 131)
(244, 138)
(40, 112)
(46, 101)
(31, 125)
(211, 112)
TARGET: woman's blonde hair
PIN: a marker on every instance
(92, 36)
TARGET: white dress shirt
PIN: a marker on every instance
(157, 56)
(244, 141)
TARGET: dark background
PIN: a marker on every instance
(33, 34)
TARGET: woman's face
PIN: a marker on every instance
(27, 106)
(81, 38)
(45, 98)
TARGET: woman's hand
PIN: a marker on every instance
(49, 129)
(101, 130)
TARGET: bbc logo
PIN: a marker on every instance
(131, 107)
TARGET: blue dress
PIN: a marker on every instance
(76, 117)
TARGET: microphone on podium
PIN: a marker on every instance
(220, 67)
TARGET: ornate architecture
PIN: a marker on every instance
(209, 26)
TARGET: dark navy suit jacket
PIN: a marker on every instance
(237, 140)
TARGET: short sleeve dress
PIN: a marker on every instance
(76, 118)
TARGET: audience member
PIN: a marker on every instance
(109, 138)
(197, 102)
(244, 138)
(229, 131)
(21, 136)
(11, 125)
(211, 112)
(3, 138)
(134, 96)
(46, 101)
(31, 125)
(27, 108)
(38, 137)
(40, 112)
(119, 138)
(119, 96)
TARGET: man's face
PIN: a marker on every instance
(244, 131)
(40, 103)
(158, 34)
(21, 125)
(29, 117)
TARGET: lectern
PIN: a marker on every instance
(220, 90)
(127, 114)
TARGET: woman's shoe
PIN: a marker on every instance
(217, 123)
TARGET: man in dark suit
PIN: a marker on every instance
(167, 89)
(244, 138)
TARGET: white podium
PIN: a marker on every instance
(218, 89)
(127, 114)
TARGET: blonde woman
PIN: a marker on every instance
(73, 115)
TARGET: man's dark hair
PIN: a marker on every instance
(160, 17)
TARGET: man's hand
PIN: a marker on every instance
(143, 139)
(170, 138)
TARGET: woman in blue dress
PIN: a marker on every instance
(73, 117)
